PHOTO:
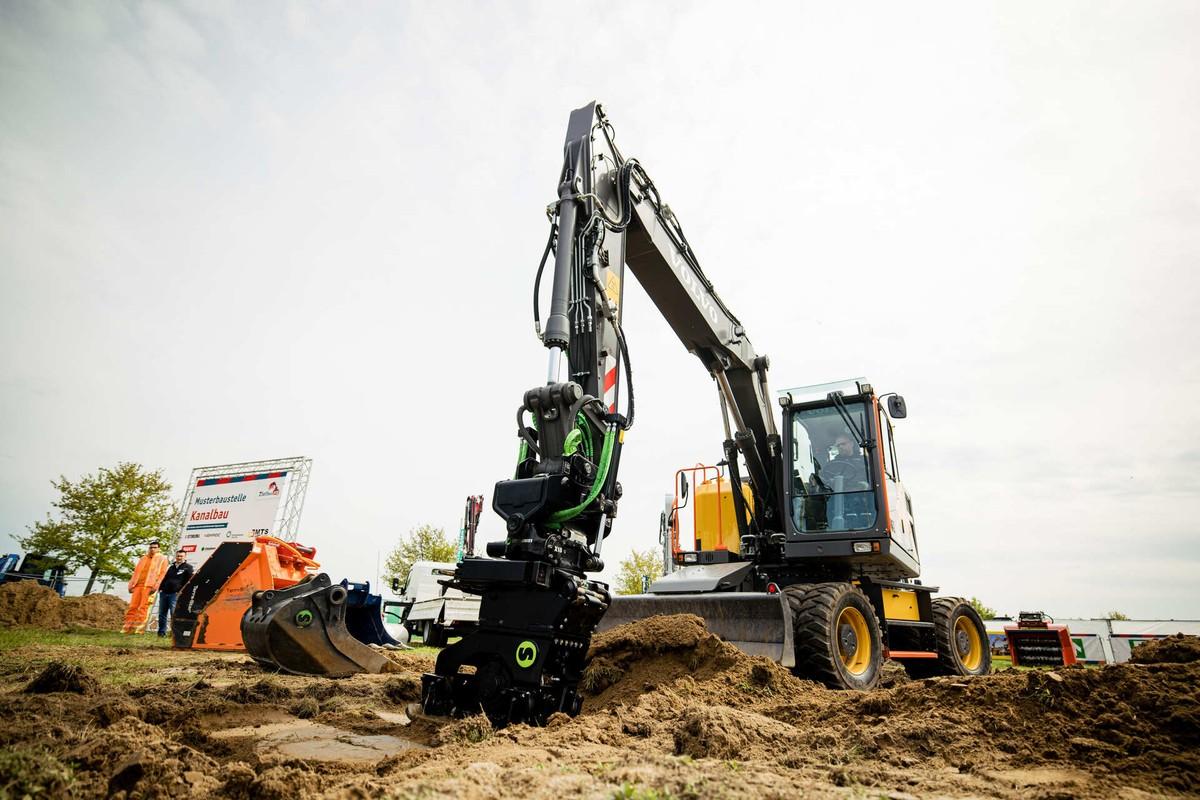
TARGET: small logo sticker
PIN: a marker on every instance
(526, 654)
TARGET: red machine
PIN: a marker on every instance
(1035, 642)
(210, 609)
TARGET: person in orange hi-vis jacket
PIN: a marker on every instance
(146, 576)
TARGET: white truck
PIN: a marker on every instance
(437, 613)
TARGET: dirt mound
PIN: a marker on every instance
(1141, 722)
(1177, 649)
(60, 677)
(94, 611)
(30, 603)
(723, 732)
(138, 759)
(668, 677)
(631, 660)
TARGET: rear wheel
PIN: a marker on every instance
(837, 635)
(961, 638)
(962, 641)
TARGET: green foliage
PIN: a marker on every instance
(106, 520)
(633, 567)
(982, 610)
(424, 543)
(33, 773)
(1115, 615)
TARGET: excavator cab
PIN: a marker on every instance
(845, 503)
(847, 513)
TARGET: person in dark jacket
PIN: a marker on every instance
(178, 574)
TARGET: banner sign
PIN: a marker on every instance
(230, 508)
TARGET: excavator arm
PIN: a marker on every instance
(538, 609)
(617, 218)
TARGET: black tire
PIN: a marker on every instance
(837, 635)
(959, 651)
(432, 634)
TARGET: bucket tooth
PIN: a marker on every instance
(302, 630)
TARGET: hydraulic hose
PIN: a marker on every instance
(610, 438)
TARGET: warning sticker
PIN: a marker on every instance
(612, 288)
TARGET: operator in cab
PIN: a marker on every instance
(848, 462)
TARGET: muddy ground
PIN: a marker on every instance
(30, 603)
(671, 712)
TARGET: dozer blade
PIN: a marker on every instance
(302, 630)
(364, 615)
(757, 623)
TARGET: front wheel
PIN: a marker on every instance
(837, 635)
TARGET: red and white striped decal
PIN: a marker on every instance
(610, 384)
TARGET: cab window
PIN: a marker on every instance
(831, 476)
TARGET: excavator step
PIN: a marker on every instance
(757, 623)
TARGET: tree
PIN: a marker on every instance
(1115, 615)
(983, 611)
(423, 543)
(633, 567)
(106, 521)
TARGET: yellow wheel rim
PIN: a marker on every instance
(853, 640)
(968, 642)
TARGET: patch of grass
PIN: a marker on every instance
(422, 650)
(12, 638)
(33, 773)
(635, 791)
(756, 689)
(115, 659)
(1003, 662)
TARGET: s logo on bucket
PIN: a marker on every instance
(526, 654)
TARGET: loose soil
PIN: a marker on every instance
(31, 604)
(671, 711)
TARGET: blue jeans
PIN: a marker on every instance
(166, 605)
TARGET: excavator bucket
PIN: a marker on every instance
(302, 630)
(757, 623)
(364, 615)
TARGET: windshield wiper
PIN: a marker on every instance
(840, 405)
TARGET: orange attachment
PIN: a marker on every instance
(270, 564)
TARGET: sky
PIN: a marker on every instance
(237, 231)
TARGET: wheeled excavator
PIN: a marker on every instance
(806, 549)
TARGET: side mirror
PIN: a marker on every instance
(896, 407)
(683, 486)
(395, 586)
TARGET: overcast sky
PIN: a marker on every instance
(235, 231)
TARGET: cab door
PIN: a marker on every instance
(899, 504)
